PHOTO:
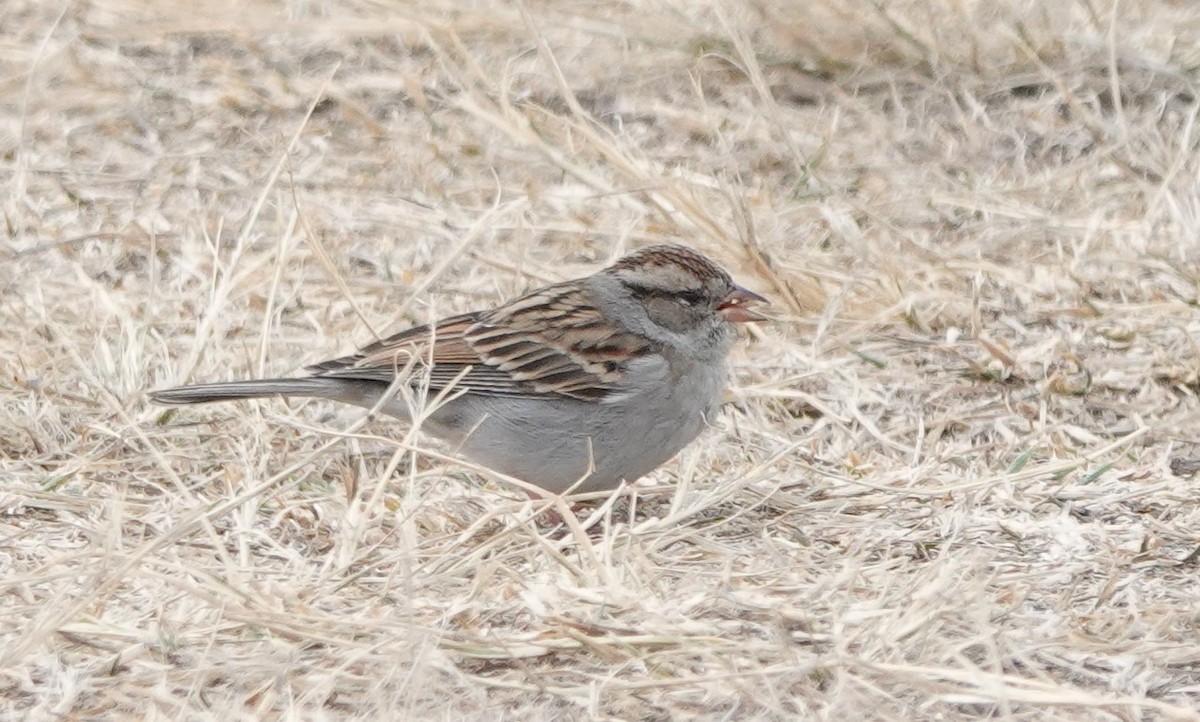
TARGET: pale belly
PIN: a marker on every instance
(561, 444)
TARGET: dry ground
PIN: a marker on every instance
(956, 479)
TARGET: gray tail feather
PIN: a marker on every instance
(259, 388)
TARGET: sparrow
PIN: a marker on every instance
(576, 386)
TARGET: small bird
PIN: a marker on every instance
(575, 386)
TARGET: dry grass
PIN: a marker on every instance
(957, 481)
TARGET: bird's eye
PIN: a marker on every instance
(688, 298)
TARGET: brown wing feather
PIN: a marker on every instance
(379, 361)
(551, 342)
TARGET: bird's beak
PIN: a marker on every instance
(733, 307)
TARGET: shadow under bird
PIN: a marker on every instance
(575, 386)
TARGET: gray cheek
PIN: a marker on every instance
(665, 313)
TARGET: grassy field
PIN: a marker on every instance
(956, 478)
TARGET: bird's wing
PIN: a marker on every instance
(552, 342)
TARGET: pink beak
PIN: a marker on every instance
(733, 307)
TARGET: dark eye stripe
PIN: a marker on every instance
(644, 291)
(690, 296)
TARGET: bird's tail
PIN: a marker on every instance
(258, 388)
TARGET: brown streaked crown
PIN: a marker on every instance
(671, 254)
